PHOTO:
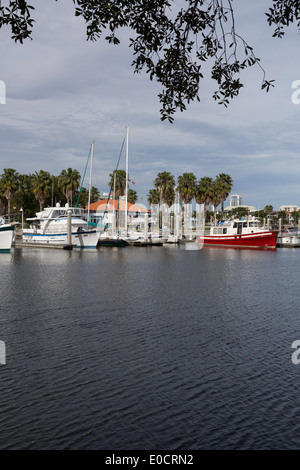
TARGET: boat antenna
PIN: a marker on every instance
(90, 187)
(126, 197)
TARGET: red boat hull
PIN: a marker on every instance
(252, 240)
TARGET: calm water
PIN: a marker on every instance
(150, 348)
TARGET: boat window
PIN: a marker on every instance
(235, 225)
(224, 230)
(215, 231)
(220, 230)
(244, 224)
(251, 224)
(57, 213)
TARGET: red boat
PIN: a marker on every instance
(241, 234)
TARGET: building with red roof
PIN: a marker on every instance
(111, 208)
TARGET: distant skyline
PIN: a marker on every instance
(63, 92)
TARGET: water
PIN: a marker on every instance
(158, 348)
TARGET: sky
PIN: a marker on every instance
(64, 92)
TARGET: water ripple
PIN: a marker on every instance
(149, 349)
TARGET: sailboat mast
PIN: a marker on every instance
(126, 196)
(90, 187)
(114, 211)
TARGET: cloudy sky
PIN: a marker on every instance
(63, 92)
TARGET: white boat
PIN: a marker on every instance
(172, 239)
(50, 227)
(7, 234)
(288, 240)
(157, 239)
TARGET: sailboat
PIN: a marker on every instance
(128, 237)
(113, 238)
(122, 237)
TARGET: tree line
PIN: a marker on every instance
(31, 192)
(206, 190)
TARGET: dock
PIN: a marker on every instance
(21, 244)
(288, 241)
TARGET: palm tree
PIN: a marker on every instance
(165, 183)
(42, 185)
(225, 184)
(209, 216)
(24, 197)
(268, 209)
(217, 191)
(295, 215)
(95, 194)
(84, 196)
(118, 181)
(132, 196)
(204, 192)
(283, 216)
(186, 185)
(9, 183)
(239, 212)
(69, 181)
(153, 196)
(57, 193)
(3, 201)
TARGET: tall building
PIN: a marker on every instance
(235, 200)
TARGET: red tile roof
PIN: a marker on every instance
(101, 206)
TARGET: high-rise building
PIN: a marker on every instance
(235, 200)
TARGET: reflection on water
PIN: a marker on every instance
(149, 348)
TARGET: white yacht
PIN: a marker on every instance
(50, 227)
(7, 235)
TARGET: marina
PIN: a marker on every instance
(57, 231)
